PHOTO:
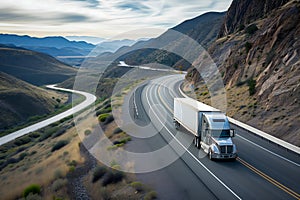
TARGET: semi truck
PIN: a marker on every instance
(210, 127)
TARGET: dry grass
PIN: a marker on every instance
(40, 168)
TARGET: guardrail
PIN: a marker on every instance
(258, 132)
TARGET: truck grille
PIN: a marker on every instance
(226, 149)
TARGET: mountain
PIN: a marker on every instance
(54, 46)
(258, 49)
(203, 29)
(245, 12)
(89, 39)
(57, 41)
(33, 67)
(19, 101)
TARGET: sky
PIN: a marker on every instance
(110, 19)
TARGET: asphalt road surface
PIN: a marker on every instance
(263, 170)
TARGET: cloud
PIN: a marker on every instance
(103, 18)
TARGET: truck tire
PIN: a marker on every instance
(177, 125)
(210, 155)
(197, 142)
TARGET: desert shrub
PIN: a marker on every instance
(34, 189)
(71, 169)
(32, 197)
(58, 174)
(87, 132)
(59, 145)
(109, 119)
(241, 27)
(48, 133)
(117, 130)
(138, 186)
(235, 65)
(22, 156)
(251, 29)
(22, 148)
(150, 195)
(116, 142)
(104, 110)
(98, 173)
(107, 105)
(125, 140)
(11, 161)
(58, 184)
(34, 135)
(252, 85)
(59, 132)
(248, 46)
(112, 177)
(72, 163)
(22, 140)
(103, 117)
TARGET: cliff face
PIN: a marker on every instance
(266, 53)
(243, 12)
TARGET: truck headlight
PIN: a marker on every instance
(215, 149)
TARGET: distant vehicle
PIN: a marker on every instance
(210, 127)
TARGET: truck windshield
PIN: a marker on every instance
(220, 133)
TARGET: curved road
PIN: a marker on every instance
(89, 99)
(262, 171)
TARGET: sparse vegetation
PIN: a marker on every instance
(117, 131)
(60, 144)
(112, 177)
(34, 189)
(103, 117)
(150, 195)
(22, 140)
(252, 86)
(248, 46)
(251, 29)
(98, 173)
(58, 184)
(138, 186)
(87, 132)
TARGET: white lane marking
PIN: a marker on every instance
(212, 174)
(271, 152)
(134, 104)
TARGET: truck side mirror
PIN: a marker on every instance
(231, 132)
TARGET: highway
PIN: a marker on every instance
(89, 99)
(263, 170)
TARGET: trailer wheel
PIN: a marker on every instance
(177, 125)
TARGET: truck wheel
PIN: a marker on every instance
(197, 143)
(210, 155)
(177, 125)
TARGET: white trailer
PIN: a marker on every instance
(210, 127)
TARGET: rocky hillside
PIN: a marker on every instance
(20, 100)
(33, 67)
(259, 48)
(203, 29)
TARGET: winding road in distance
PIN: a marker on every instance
(89, 99)
(263, 170)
